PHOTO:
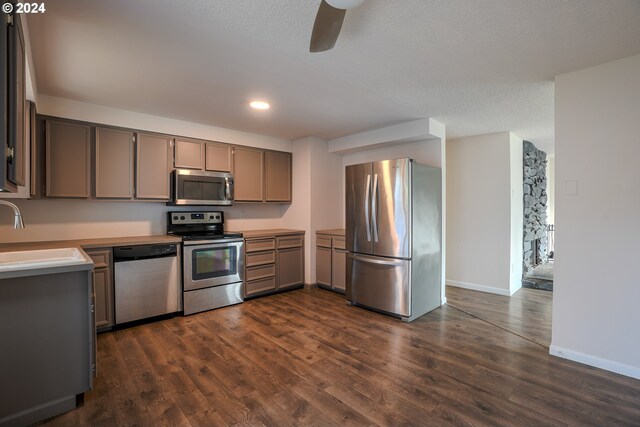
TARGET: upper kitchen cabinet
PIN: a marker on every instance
(202, 155)
(68, 159)
(218, 157)
(113, 163)
(248, 173)
(153, 166)
(12, 95)
(188, 154)
(277, 176)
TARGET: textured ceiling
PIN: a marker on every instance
(477, 66)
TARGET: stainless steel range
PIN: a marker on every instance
(212, 260)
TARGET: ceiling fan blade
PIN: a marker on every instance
(326, 28)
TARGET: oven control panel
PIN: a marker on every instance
(200, 217)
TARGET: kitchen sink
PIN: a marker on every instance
(24, 263)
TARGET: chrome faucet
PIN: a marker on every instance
(18, 220)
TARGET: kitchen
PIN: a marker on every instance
(106, 185)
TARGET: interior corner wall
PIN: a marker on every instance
(517, 211)
(479, 213)
(318, 201)
(596, 292)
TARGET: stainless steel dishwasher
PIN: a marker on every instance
(147, 281)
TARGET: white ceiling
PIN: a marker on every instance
(476, 66)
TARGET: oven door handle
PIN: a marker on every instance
(213, 244)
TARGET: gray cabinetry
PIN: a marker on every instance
(188, 154)
(103, 287)
(248, 167)
(290, 261)
(273, 263)
(277, 176)
(113, 163)
(218, 157)
(68, 159)
(153, 166)
(331, 261)
(260, 265)
(48, 344)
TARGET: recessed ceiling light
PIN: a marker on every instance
(259, 105)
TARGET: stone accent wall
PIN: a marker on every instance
(535, 206)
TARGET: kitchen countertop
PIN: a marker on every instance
(103, 242)
(270, 232)
(332, 232)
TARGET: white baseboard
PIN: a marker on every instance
(480, 288)
(598, 362)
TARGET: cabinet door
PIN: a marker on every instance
(290, 267)
(103, 297)
(338, 269)
(277, 176)
(188, 154)
(103, 287)
(218, 157)
(153, 166)
(68, 159)
(17, 103)
(323, 266)
(114, 163)
(247, 172)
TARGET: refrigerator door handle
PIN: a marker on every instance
(398, 263)
(366, 207)
(374, 208)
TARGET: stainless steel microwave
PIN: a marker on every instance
(192, 187)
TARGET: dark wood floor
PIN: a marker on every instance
(526, 313)
(305, 358)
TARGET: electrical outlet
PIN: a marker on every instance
(243, 214)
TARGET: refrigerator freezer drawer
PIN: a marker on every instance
(379, 283)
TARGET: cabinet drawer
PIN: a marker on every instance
(338, 243)
(323, 241)
(261, 272)
(261, 285)
(290, 241)
(260, 258)
(101, 257)
(255, 245)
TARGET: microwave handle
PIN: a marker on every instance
(227, 189)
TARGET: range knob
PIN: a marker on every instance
(217, 216)
(175, 217)
(182, 217)
(210, 216)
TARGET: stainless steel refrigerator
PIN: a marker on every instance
(394, 237)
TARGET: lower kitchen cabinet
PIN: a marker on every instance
(273, 263)
(331, 258)
(290, 261)
(103, 287)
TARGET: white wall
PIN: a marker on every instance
(318, 195)
(596, 286)
(60, 107)
(551, 189)
(482, 211)
(517, 211)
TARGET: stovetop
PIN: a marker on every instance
(198, 225)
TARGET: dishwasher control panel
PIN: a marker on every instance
(200, 217)
(127, 253)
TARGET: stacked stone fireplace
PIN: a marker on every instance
(535, 207)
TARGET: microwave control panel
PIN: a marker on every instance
(185, 218)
